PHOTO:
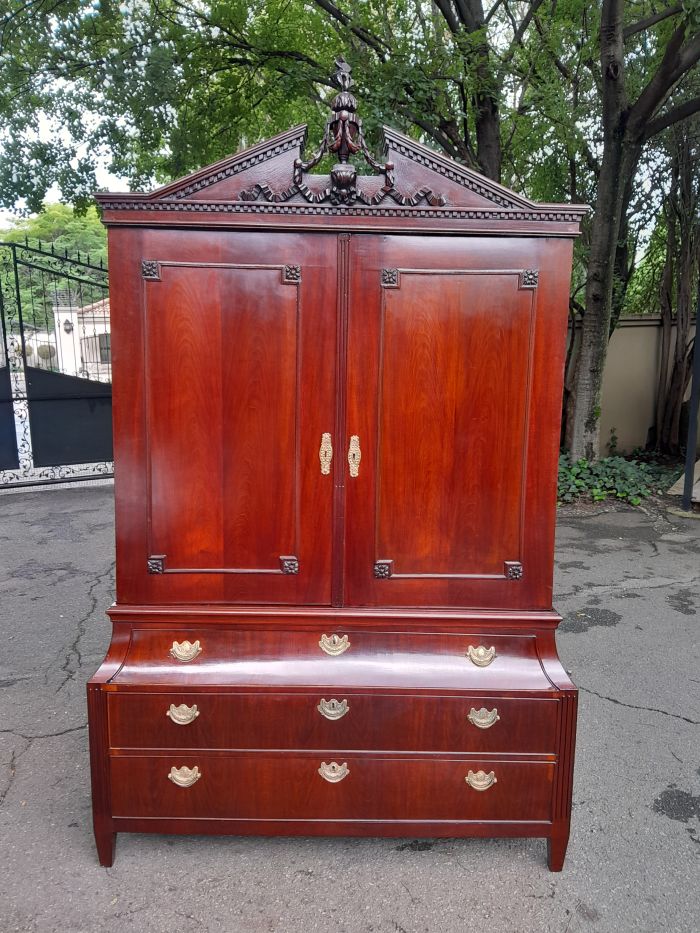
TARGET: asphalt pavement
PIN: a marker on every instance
(628, 586)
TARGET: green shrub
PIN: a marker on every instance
(612, 477)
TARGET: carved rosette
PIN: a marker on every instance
(156, 563)
(513, 570)
(150, 269)
(529, 278)
(383, 569)
(390, 278)
(289, 564)
(291, 275)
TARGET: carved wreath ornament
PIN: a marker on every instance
(343, 137)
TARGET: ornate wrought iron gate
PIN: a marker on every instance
(55, 367)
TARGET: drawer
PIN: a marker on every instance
(352, 721)
(214, 655)
(281, 787)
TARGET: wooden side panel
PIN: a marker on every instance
(455, 366)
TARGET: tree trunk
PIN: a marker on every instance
(666, 300)
(680, 373)
(487, 118)
(583, 425)
(624, 264)
(684, 203)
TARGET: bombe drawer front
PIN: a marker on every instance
(218, 656)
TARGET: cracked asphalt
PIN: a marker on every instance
(627, 586)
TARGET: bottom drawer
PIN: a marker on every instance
(279, 787)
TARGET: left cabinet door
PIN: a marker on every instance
(236, 394)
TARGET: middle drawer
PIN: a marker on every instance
(346, 721)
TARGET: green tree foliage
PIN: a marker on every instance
(642, 295)
(59, 226)
(159, 87)
(558, 98)
(60, 231)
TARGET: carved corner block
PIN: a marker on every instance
(390, 278)
(529, 278)
(150, 269)
(383, 569)
(291, 275)
(289, 564)
(156, 563)
(513, 569)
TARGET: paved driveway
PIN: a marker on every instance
(628, 586)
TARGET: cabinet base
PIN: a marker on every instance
(557, 839)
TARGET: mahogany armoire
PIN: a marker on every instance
(336, 422)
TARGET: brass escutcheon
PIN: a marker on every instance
(333, 709)
(333, 772)
(480, 780)
(483, 718)
(182, 715)
(185, 650)
(481, 656)
(184, 776)
(325, 454)
(334, 644)
(354, 455)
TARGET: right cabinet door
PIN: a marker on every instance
(454, 375)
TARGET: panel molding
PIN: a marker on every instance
(290, 274)
(391, 279)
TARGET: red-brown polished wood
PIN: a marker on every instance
(415, 317)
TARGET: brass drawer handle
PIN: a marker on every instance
(480, 780)
(185, 650)
(182, 715)
(481, 656)
(483, 718)
(333, 709)
(325, 454)
(334, 644)
(354, 455)
(333, 772)
(184, 776)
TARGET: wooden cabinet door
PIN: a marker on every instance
(455, 358)
(239, 344)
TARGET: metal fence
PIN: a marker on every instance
(55, 366)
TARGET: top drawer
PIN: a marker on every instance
(203, 654)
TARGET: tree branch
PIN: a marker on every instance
(648, 21)
(675, 115)
(374, 42)
(448, 14)
(679, 57)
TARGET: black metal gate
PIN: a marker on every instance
(55, 367)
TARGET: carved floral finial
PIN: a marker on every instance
(343, 138)
(343, 75)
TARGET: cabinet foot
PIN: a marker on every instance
(556, 849)
(105, 842)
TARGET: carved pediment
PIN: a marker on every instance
(223, 181)
(274, 177)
